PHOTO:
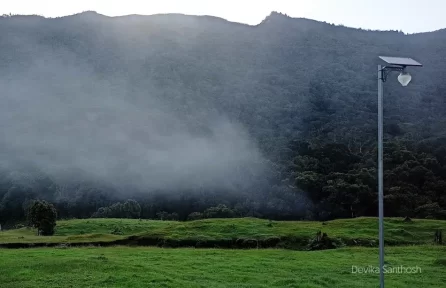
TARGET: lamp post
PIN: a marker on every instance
(393, 64)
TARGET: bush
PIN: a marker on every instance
(174, 216)
(128, 209)
(322, 242)
(117, 231)
(440, 261)
(220, 211)
(163, 215)
(431, 211)
(195, 216)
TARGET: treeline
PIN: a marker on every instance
(85, 200)
(132, 209)
(344, 185)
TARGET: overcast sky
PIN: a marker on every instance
(410, 16)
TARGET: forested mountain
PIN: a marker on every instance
(183, 113)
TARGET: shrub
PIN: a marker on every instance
(195, 216)
(162, 215)
(128, 209)
(117, 231)
(440, 261)
(431, 211)
(220, 211)
(322, 242)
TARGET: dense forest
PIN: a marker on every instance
(187, 117)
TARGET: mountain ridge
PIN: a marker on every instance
(274, 15)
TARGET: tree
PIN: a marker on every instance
(42, 215)
(220, 211)
(131, 209)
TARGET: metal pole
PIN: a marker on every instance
(380, 176)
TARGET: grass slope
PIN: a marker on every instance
(156, 267)
(351, 231)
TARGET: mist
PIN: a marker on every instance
(57, 113)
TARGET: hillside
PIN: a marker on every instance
(183, 113)
(226, 233)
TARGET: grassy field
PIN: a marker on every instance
(121, 266)
(350, 230)
(157, 267)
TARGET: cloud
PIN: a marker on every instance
(58, 114)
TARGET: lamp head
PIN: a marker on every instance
(404, 78)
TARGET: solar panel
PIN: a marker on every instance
(400, 61)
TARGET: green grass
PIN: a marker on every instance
(101, 230)
(83, 230)
(157, 267)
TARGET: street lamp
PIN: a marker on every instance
(393, 64)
